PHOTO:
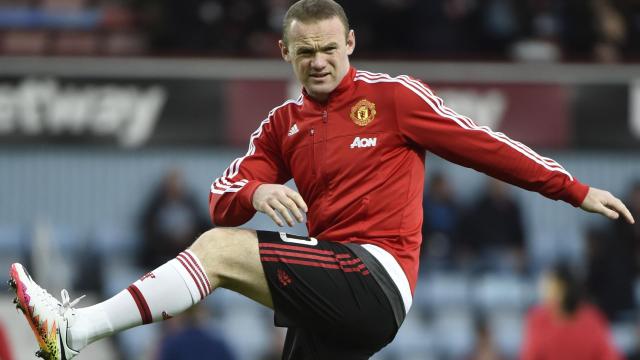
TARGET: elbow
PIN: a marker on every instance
(224, 212)
(221, 220)
(220, 217)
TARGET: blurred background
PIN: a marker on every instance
(116, 115)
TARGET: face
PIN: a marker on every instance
(551, 290)
(319, 53)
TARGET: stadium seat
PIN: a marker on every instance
(625, 336)
(224, 301)
(118, 276)
(66, 5)
(76, 43)
(442, 289)
(115, 243)
(507, 330)
(413, 341)
(140, 342)
(248, 330)
(11, 245)
(124, 43)
(498, 291)
(453, 332)
(24, 42)
(59, 247)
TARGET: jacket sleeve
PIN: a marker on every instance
(425, 121)
(230, 199)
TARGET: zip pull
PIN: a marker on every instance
(312, 132)
(325, 116)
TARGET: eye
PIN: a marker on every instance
(304, 52)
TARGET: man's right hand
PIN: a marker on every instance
(602, 202)
(278, 201)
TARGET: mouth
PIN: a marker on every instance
(319, 76)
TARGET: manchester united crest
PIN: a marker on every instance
(363, 112)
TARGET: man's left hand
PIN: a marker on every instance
(602, 202)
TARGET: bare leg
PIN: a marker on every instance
(231, 260)
(221, 257)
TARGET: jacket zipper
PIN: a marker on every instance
(312, 133)
(325, 120)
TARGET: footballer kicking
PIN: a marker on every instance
(354, 142)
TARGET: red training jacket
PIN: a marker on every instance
(363, 182)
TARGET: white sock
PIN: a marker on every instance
(158, 295)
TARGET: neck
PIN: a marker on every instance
(324, 97)
(319, 97)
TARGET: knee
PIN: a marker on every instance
(210, 250)
(222, 251)
(213, 242)
(212, 238)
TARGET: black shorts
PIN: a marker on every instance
(336, 300)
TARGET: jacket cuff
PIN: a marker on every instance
(245, 196)
(575, 193)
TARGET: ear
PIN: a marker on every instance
(351, 42)
(284, 51)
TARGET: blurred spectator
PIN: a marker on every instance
(579, 31)
(611, 30)
(204, 26)
(564, 326)
(170, 222)
(445, 27)
(540, 35)
(503, 22)
(5, 348)
(491, 232)
(484, 347)
(613, 258)
(605, 30)
(441, 213)
(188, 338)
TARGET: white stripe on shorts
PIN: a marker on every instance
(395, 272)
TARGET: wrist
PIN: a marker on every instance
(247, 193)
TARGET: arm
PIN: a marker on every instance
(423, 119)
(253, 183)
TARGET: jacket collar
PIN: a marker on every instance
(344, 85)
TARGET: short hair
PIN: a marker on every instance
(309, 11)
(572, 287)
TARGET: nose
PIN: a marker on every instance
(318, 62)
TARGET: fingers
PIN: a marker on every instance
(272, 214)
(603, 202)
(293, 208)
(611, 214)
(280, 202)
(282, 210)
(618, 206)
(297, 198)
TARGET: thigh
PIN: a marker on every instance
(326, 295)
(231, 259)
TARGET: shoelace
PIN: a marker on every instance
(50, 302)
(66, 304)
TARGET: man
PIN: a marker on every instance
(354, 143)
